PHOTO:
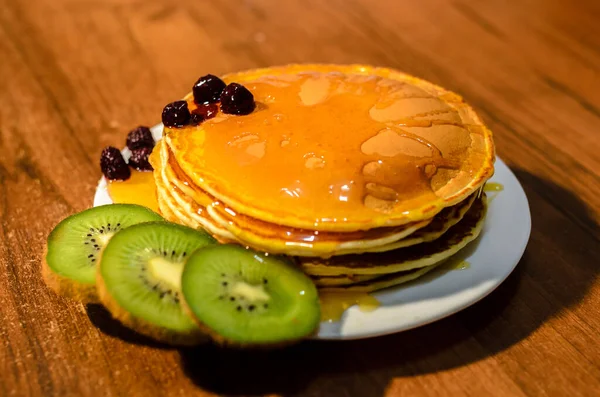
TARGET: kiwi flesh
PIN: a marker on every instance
(73, 246)
(139, 280)
(244, 298)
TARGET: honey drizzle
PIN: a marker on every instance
(138, 189)
(361, 107)
(493, 187)
(458, 265)
(334, 304)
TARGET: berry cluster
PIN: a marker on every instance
(208, 90)
(112, 163)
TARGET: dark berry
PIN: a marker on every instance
(176, 114)
(113, 164)
(203, 112)
(208, 89)
(236, 99)
(196, 118)
(140, 137)
(139, 159)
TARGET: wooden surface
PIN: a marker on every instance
(75, 76)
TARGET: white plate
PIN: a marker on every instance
(492, 257)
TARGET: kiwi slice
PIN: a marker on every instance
(139, 279)
(73, 246)
(241, 297)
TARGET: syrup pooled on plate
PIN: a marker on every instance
(334, 304)
(138, 189)
(457, 265)
(493, 187)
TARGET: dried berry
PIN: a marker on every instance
(113, 164)
(139, 159)
(196, 118)
(236, 99)
(203, 112)
(208, 89)
(139, 138)
(176, 114)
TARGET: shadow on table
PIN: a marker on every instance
(560, 231)
(102, 319)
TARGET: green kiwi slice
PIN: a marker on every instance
(73, 247)
(139, 279)
(241, 297)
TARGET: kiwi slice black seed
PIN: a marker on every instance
(139, 279)
(73, 247)
(245, 298)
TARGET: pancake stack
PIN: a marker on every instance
(365, 177)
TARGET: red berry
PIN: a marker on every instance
(203, 112)
(236, 99)
(176, 114)
(139, 159)
(196, 118)
(140, 137)
(113, 164)
(208, 89)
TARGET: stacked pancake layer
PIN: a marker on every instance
(365, 177)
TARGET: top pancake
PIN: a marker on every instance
(338, 148)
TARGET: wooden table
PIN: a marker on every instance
(75, 76)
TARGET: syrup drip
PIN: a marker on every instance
(139, 189)
(334, 304)
(456, 263)
(493, 187)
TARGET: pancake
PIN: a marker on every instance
(272, 237)
(165, 211)
(364, 177)
(382, 282)
(338, 149)
(275, 239)
(173, 173)
(443, 221)
(180, 208)
(342, 279)
(440, 224)
(248, 229)
(416, 256)
(306, 244)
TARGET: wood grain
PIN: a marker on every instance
(76, 75)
